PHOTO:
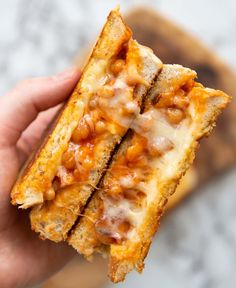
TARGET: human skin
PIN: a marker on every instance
(25, 113)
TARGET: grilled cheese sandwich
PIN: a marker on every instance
(129, 132)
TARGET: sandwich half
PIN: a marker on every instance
(124, 213)
(67, 168)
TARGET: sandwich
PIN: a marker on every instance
(60, 178)
(102, 177)
(124, 213)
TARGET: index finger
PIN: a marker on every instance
(20, 107)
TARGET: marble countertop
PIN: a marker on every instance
(196, 244)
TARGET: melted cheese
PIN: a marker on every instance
(96, 78)
(115, 108)
(180, 136)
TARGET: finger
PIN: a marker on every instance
(31, 137)
(21, 105)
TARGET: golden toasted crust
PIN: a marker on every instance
(36, 178)
(206, 106)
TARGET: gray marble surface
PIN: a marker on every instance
(196, 244)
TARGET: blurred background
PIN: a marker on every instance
(196, 242)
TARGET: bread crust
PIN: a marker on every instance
(214, 102)
(208, 104)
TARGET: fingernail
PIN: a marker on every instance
(67, 73)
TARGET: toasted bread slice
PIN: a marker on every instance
(36, 178)
(123, 215)
(70, 165)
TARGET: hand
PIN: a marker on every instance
(24, 258)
